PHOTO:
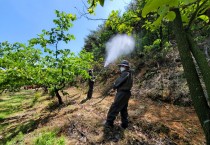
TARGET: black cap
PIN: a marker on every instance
(124, 63)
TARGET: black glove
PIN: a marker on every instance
(114, 87)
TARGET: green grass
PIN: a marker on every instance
(18, 140)
(35, 99)
(11, 136)
(49, 138)
(11, 104)
(44, 137)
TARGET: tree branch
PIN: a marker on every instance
(84, 14)
(195, 13)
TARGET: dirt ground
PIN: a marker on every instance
(81, 121)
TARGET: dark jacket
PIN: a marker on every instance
(124, 82)
(91, 80)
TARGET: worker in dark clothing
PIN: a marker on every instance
(123, 86)
(91, 82)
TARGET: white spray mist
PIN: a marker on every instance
(117, 46)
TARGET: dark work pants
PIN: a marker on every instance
(90, 91)
(120, 104)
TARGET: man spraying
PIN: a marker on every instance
(123, 86)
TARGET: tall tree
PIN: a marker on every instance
(22, 64)
(60, 66)
(18, 64)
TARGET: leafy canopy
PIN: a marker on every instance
(26, 65)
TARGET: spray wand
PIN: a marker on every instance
(104, 94)
(107, 90)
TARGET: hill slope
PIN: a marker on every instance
(160, 111)
(151, 122)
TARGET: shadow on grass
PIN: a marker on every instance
(112, 134)
(84, 100)
(13, 104)
(8, 109)
(25, 127)
(53, 106)
(72, 101)
(75, 98)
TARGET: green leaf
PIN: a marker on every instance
(186, 2)
(152, 5)
(163, 10)
(185, 19)
(170, 16)
(157, 22)
(101, 2)
(159, 5)
(90, 10)
(174, 3)
(157, 42)
(204, 18)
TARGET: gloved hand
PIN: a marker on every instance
(114, 87)
(112, 91)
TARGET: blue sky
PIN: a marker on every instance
(22, 20)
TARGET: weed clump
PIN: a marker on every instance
(49, 138)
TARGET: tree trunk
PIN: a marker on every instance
(196, 90)
(45, 90)
(59, 97)
(203, 65)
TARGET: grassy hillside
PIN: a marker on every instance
(151, 122)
